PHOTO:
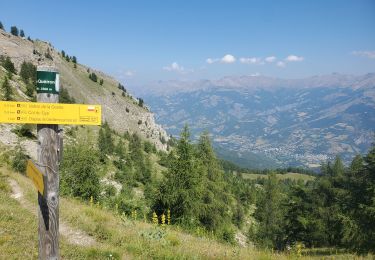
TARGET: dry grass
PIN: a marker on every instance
(289, 175)
(118, 237)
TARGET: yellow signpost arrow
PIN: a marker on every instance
(49, 113)
(33, 172)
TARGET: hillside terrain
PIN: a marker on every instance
(262, 122)
(128, 191)
(119, 108)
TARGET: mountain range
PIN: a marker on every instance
(260, 122)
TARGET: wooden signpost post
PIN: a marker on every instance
(47, 114)
(48, 154)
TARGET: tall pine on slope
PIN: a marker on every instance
(7, 90)
(181, 191)
(216, 202)
(105, 141)
(360, 216)
(270, 215)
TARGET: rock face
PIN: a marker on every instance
(120, 109)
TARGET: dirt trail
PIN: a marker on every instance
(72, 235)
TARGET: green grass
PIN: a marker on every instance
(289, 175)
(118, 236)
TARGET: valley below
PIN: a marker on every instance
(261, 122)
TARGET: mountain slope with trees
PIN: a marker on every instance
(120, 109)
(124, 179)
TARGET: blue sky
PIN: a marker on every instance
(144, 41)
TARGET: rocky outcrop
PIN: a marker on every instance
(120, 109)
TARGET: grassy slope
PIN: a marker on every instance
(118, 236)
(289, 175)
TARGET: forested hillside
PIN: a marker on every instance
(125, 179)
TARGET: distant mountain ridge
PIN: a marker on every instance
(285, 121)
(262, 82)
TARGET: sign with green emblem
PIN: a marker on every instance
(47, 82)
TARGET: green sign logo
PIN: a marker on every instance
(47, 82)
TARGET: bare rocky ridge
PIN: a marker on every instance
(122, 113)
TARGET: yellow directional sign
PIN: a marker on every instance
(33, 172)
(49, 113)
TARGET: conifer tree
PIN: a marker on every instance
(9, 65)
(215, 206)
(1, 26)
(28, 72)
(108, 138)
(14, 30)
(102, 145)
(22, 33)
(105, 141)
(7, 90)
(79, 172)
(137, 158)
(120, 149)
(181, 192)
(270, 215)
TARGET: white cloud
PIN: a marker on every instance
(228, 59)
(125, 74)
(129, 73)
(174, 67)
(291, 58)
(256, 74)
(270, 59)
(210, 60)
(280, 64)
(366, 54)
(251, 60)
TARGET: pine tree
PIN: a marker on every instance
(30, 88)
(93, 77)
(1, 26)
(338, 167)
(137, 157)
(14, 30)
(9, 65)
(140, 102)
(108, 138)
(79, 172)
(270, 215)
(102, 145)
(364, 216)
(105, 141)
(298, 224)
(7, 90)
(181, 192)
(120, 149)
(28, 72)
(22, 33)
(65, 97)
(147, 170)
(215, 208)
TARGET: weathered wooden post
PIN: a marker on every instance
(48, 155)
(45, 173)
